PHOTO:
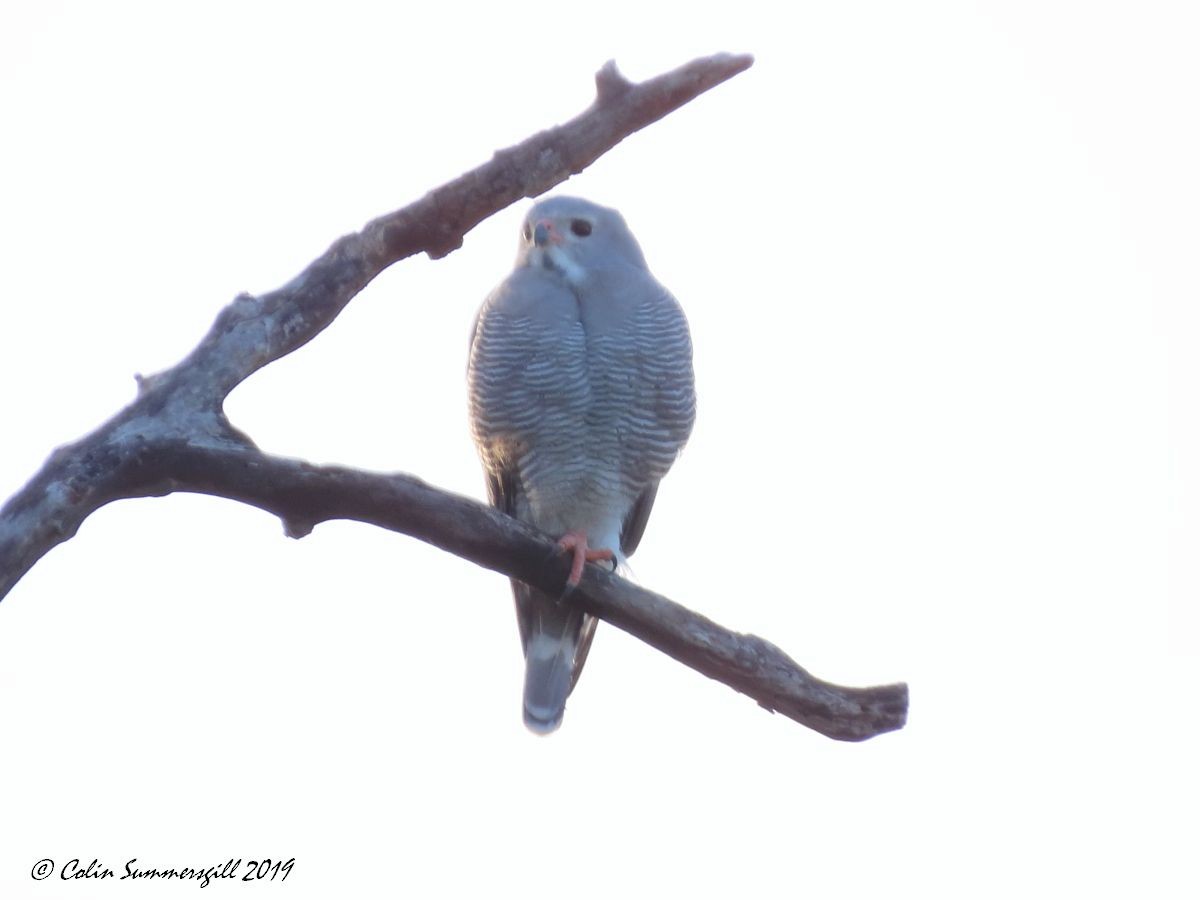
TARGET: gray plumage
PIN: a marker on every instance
(581, 397)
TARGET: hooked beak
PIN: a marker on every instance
(544, 233)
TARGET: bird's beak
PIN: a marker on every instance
(544, 233)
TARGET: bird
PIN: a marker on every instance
(581, 396)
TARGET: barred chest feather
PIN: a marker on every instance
(585, 413)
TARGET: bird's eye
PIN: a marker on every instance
(581, 227)
(527, 231)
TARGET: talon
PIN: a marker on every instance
(576, 543)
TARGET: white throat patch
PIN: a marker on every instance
(558, 259)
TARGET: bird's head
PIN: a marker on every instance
(576, 238)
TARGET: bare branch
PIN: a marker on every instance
(303, 495)
(252, 332)
(175, 437)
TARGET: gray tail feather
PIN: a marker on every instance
(556, 636)
(548, 666)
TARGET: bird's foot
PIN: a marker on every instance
(576, 543)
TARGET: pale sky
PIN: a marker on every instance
(939, 261)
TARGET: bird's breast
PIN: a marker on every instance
(576, 406)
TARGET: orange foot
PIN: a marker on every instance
(576, 542)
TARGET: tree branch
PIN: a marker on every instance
(175, 437)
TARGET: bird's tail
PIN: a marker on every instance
(557, 636)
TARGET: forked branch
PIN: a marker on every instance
(174, 436)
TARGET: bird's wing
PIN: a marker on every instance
(634, 525)
(654, 336)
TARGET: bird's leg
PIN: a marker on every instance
(576, 542)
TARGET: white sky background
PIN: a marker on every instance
(940, 263)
